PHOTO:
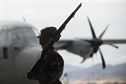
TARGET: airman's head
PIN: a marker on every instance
(46, 34)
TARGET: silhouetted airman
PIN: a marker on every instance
(48, 68)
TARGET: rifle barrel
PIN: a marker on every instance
(68, 19)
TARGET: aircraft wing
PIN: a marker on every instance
(110, 41)
(63, 44)
(114, 41)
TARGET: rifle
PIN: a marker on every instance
(61, 28)
(53, 39)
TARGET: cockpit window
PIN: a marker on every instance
(22, 32)
(18, 33)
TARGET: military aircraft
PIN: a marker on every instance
(19, 50)
(87, 47)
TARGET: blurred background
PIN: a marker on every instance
(44, 13)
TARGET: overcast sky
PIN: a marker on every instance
(43, 13)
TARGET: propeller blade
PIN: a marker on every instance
(102, 58)
(101, 35)
(113, 46)
(92, 30)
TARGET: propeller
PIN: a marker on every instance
(102, 58)
(92, 30)
(101, 35)
(97, 42)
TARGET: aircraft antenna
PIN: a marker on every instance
(24, 19)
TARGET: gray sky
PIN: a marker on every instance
(43, 13)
